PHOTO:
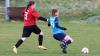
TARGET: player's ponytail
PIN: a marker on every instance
(29, 4)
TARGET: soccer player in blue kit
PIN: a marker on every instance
(58, 31)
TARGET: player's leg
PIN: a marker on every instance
(67, 40)
(38, 31)
(20, 41)
(40, 40)
(26, 33)
(63, 44)
(60, 37)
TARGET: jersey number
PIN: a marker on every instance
(52, 24)
(26, 14)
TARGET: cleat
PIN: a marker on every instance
(64, 51)
(42, 47)
(63, 48)
(14, 50)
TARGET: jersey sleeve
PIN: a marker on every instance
(57, 24)
(56, 20)
(35, 14)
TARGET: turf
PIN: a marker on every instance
(84, 35)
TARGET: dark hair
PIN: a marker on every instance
(29, 4)
(54, 11)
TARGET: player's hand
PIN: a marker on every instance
(48, 24)
(64, 28)
(47, 20)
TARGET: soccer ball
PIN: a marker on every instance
(85, 50)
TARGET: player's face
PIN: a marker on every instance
(33, 6)
(57, 13)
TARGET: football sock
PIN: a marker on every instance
(65, 44)
(68, 42)
(19, 43)
(40, 39)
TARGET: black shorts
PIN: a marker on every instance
(29, 29)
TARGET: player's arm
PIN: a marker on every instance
(42, 18)
(36, 15)
(63, 28)
(57, 25)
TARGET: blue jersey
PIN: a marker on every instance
(53, 21)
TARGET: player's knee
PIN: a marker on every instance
(23, 38)
(41, 33)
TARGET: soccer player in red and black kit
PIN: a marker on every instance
(30, 17)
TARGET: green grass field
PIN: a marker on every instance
(84, 35)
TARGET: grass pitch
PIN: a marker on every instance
(84, 35)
